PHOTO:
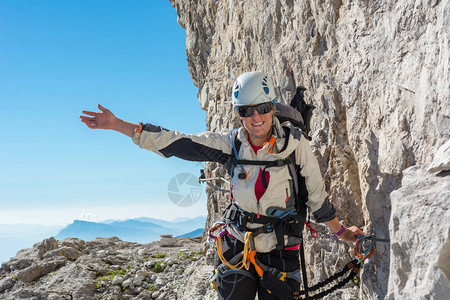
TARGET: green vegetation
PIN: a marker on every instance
(192, 256)
(151, 288)
(110, 275)
(160, 266)
(159, 255)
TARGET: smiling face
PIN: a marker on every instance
(259, 126)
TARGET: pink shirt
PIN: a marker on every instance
(260, 190)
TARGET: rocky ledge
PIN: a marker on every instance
(108, 268)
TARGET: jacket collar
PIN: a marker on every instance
(278, 131)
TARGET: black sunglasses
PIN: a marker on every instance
(247, 111)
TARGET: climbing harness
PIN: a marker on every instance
(363, 250)
(280, 221)
(271, 278)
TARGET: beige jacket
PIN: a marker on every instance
(217, 147)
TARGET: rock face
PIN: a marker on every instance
(378, 73)
(420, 235)
(108, 268)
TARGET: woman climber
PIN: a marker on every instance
(271, 165)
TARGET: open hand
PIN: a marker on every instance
(351, 234)
(99, 120)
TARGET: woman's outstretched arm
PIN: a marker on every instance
(107, 120)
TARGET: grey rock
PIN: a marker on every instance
(18, 264)
(167, 242)
(179, 271)
(101, 253)
(159, 281)
(45, 246)
(84, 292)
(142, 273)
(441, 160)
(117, 280)
(29, 294)
(39, 269)
(116, 259)
(137, 281)
(150, 263)
(127, 283)
(420, 218)
(444, 259)
(6, 283)
(73, 243)
(69, 253)
(83, 278)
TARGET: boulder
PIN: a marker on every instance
(117, 280)
(45, 246)
(30, 294)
(19, 264)
(419, 231)
(39, 269)
(68, 252)
(167, 241)
(73, 243)
(84, 291)
(6, 283)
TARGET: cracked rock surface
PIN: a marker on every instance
(108, 268)
(378, 74)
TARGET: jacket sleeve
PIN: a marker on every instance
(207, 146)
(318, 202)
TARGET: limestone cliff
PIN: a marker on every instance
(378, 73)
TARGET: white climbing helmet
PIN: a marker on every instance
(252, 88)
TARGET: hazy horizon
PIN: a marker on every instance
(15, 237)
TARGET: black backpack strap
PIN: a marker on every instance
(304, 274)
(266, 163)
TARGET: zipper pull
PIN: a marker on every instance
(257, 205)
(287, 195)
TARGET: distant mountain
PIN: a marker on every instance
(181, 219)
(141, 230)
(192, 234)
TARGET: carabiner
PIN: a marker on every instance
(362, 250)
(212, 233)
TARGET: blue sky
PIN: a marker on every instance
(60, 57)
